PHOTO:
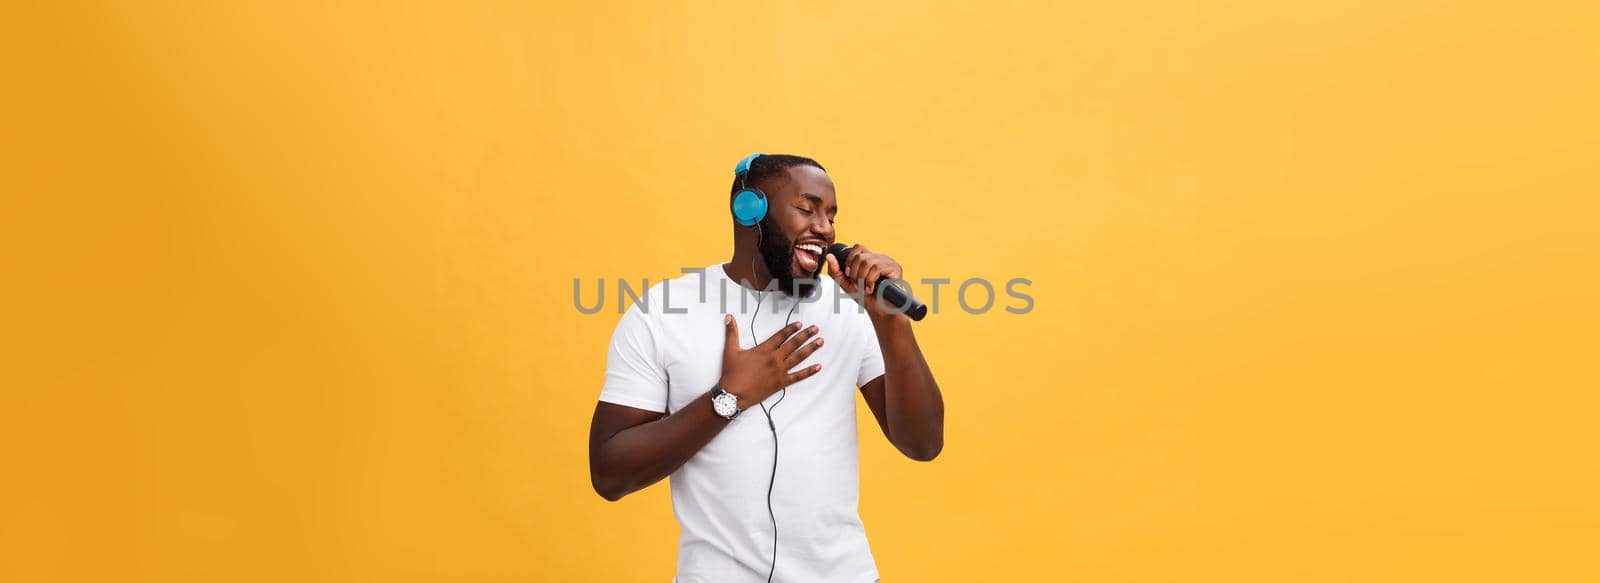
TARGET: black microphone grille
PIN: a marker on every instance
(839, 251)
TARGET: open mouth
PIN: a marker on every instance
(808, 256)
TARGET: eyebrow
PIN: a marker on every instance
(818, 200)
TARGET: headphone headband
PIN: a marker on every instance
(744, 165)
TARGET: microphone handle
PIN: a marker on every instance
(901, 299)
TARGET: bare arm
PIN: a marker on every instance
(906, 400)
(630, 448)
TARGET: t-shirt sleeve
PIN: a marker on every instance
(635, 376)
(871, 354)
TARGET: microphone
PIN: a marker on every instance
(892, 291)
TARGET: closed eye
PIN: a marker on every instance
(810, 212)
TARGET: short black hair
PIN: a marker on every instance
(770, 166)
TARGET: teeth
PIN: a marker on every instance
(809, 247)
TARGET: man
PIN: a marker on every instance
(721, 380)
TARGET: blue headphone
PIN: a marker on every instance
(749, 204)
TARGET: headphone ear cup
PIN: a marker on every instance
(749, 206)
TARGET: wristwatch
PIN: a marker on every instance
(724, 403)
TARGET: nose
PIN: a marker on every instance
(822, 227)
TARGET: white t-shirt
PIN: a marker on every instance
(661, 360)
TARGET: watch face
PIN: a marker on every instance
(725, 404)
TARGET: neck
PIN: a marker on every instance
(747, 269)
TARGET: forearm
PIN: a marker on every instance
(914, 408)
(642, 455)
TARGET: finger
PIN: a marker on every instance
(857, 270)
(871, 276)
(803, 374)
(779, 336)
(797, 340)
(837, 272)
(833, 267)
(804, 352)
(730, 333)
(852, 262)
(878, 271)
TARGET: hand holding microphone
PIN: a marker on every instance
(851, 266)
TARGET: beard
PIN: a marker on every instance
(777, 253)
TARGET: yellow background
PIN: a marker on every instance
(287, 287)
